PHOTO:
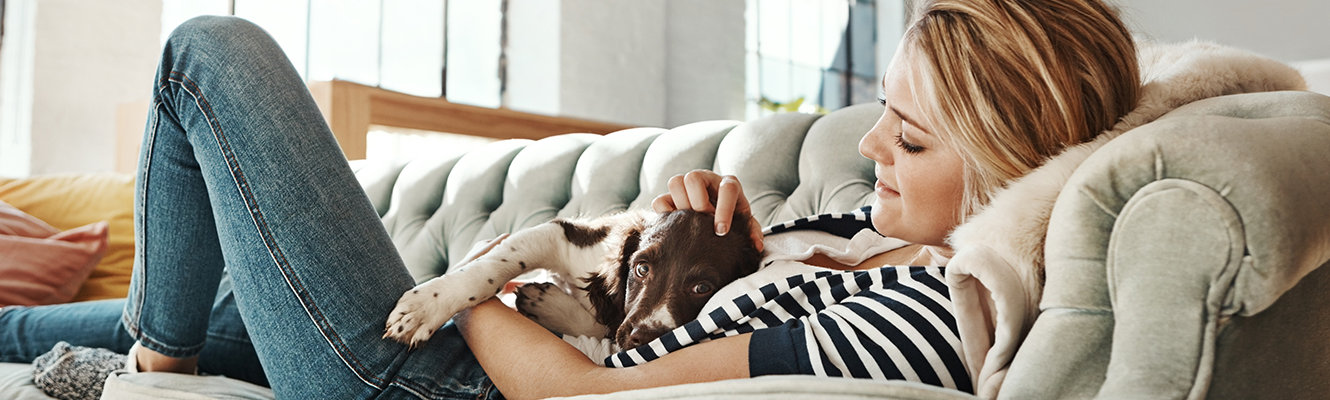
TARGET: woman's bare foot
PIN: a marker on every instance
(146, 360)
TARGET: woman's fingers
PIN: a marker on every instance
(729, 199)
(709, 192)
(701, 186)
(663, 204)
(678, 193)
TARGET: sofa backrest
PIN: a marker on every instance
(791, 165)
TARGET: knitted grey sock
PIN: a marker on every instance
(74, 373)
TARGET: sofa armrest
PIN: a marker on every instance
(1168, 234)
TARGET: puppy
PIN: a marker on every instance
(630, 277)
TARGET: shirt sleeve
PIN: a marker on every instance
(889, 329)
(772, 351)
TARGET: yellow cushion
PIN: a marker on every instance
(68, 201)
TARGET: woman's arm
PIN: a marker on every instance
(526, 361)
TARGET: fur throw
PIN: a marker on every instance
(1012, 227)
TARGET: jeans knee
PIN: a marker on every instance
(220, 35)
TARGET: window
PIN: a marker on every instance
(397, 45)
(813, 55)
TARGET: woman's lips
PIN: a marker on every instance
(886, 192)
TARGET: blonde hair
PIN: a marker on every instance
(1013, 82)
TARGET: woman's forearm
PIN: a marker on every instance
(522, 358)
(526, 361)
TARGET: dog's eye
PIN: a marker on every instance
(702, 288)
(641, 270)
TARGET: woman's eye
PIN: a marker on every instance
(641, 270)
(702, 288)
(907, 146)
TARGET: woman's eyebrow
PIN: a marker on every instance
(912, 121)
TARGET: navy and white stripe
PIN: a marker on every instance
(840, 224)
(885, 323)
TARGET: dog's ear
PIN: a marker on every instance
(749, 257)
(608, 288)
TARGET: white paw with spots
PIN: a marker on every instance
(422, 310)
(557, 310)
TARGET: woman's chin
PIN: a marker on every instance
(884, 219)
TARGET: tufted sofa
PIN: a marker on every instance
(791, 165)
(1182, 259)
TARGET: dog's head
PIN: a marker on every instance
(667, 271)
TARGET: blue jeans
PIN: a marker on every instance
(239, 171)
(28, 332)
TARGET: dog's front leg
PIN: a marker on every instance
(558, 311)
(428, 306)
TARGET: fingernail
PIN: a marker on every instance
(722, 229)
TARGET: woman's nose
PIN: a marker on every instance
(875, 146)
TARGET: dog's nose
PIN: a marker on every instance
(640, 336)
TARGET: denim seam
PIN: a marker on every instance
(242, 185)
(132, 323)
(134, 308)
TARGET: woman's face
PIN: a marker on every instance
(920, 181)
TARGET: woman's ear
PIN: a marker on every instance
(606, 289)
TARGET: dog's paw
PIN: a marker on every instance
(424, 309)
(557, 310)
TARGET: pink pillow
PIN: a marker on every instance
(42, 265)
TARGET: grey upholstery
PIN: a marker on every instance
(791, 165)
(1168, 246)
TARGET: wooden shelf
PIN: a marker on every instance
(351, 108)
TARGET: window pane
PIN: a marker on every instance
(176, 12)
(807, 83)
(285, 20)
(473, 52)
(344, 41)
(834, 17)
(863, 89)
(413, 47)
(776, 80)
(833, 89)
(805, 41)
(774, 28)
(863, 28)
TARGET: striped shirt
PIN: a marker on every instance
(883, 323)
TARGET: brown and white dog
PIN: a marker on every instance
(630, 277)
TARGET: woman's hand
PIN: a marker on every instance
(706, 191)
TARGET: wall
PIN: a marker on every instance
(651, 63)
(1287, 30)
(87, 57)
(704, 61)
(612, 61)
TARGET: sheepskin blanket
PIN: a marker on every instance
(997, 275)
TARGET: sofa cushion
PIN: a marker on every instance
(42, 264)
(67, 201)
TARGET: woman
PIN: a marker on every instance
(237, 165)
